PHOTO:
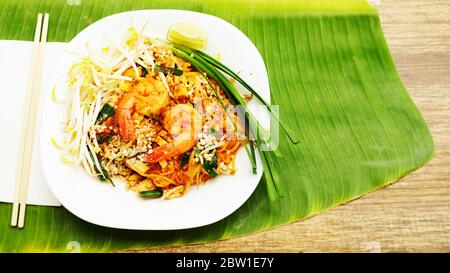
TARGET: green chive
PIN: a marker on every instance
(151, 193)
(102, 174)
(210, 166)
(106, 112)
(184, 159)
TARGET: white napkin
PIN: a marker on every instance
(15, 61)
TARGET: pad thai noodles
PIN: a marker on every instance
(137, 111)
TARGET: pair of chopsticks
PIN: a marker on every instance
(29, 123)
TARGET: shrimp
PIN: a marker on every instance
(184, 123)
(147, 97)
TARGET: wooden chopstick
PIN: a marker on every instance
(29, 126)
(19, 175)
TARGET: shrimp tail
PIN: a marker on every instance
(126, 126)
(178, 147)
(124, 111)
(161, 153)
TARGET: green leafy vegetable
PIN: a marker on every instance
(102, 173)
(166, 70)
(151, 193)
(161, 69)
(210, 166)
(184, 159)
(144, 71)
(176, 71)
(103, 138)
(106, 112)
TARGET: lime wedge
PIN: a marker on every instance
(188, 35)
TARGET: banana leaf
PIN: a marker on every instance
(334, 79)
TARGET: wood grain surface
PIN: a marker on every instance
(412, 215)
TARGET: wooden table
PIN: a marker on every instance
(414, 213)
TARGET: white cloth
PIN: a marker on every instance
(15, 61)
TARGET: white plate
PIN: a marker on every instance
(104, 205)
